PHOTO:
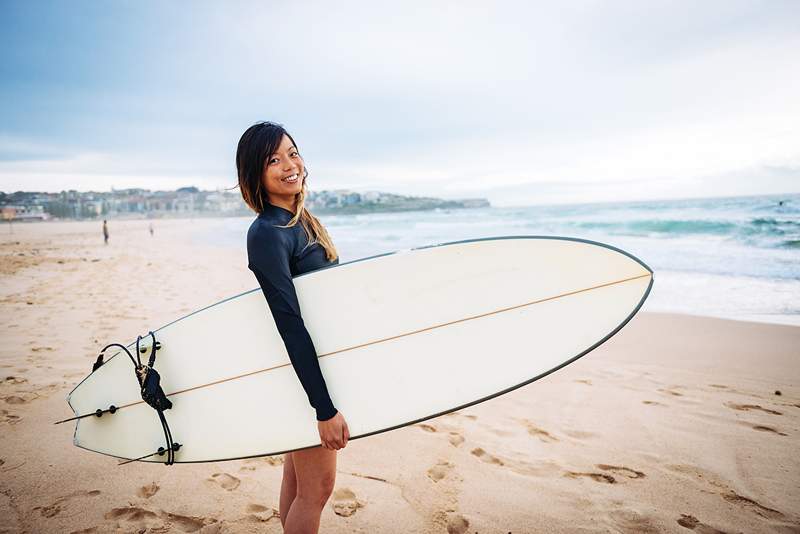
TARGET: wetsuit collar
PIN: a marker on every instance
(277, 209)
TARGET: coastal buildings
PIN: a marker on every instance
(192, 202)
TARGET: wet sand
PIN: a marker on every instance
(677, 423)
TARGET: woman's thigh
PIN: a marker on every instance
(315, 470)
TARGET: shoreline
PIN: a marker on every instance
(201, 237)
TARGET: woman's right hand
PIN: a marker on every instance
(334, 433)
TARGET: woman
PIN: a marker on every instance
(283, 241)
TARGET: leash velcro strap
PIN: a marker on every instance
(152, 393)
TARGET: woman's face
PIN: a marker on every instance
(283, 171)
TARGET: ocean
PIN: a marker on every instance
(732, 257)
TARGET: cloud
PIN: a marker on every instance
(515, 101)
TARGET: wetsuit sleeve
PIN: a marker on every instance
(268, 256)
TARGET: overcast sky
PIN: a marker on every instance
(518, 102)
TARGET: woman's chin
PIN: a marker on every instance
(289, 189)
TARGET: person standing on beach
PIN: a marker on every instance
(105, 231)
(151, 229)
(286, 240)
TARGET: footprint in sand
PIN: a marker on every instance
(58, 506)
(457, 524)
(722, 489)
(256, 508)
(627, 520)
(13, 399)
(144, 519)
(440, 470)
(426, 428)
(262, 513)
(455, 439)
(653, 403)
(345, 503)
(749, 504)
(749, 407)
(485, 456)
(225, 481)
(148, 491)
(692, 523)
(9, 418)
(12, 380)
(185, 523)
(130, 513)
(597, 477)
(624, 471)
(671, 392)
(49, 511)
(542, 435)
(251, 464)
(764, 428)
(584, 381)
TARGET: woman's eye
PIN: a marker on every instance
(294, 154)
(273, 160)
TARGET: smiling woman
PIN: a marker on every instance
(269, 166)
(272, 179)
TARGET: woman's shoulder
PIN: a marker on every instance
(263, 230)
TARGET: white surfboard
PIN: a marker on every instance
(401, 338)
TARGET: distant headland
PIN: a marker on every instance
(193, 202)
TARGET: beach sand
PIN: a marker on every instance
(677, 423)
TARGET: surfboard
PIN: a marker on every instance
(401, 338)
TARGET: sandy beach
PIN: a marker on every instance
(678, 423)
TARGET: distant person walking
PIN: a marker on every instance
(151, 229)
(105, 231)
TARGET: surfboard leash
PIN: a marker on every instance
(153, 394)
(151, 391)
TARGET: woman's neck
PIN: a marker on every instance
(285, 202)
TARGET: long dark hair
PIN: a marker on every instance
(258, 143)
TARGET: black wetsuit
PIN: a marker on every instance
(275, 255)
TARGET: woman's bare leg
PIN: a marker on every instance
(316, 475)
(288, 487)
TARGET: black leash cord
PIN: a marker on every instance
(126, 352)
(151, 391)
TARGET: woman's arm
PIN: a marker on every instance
(268, 253)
